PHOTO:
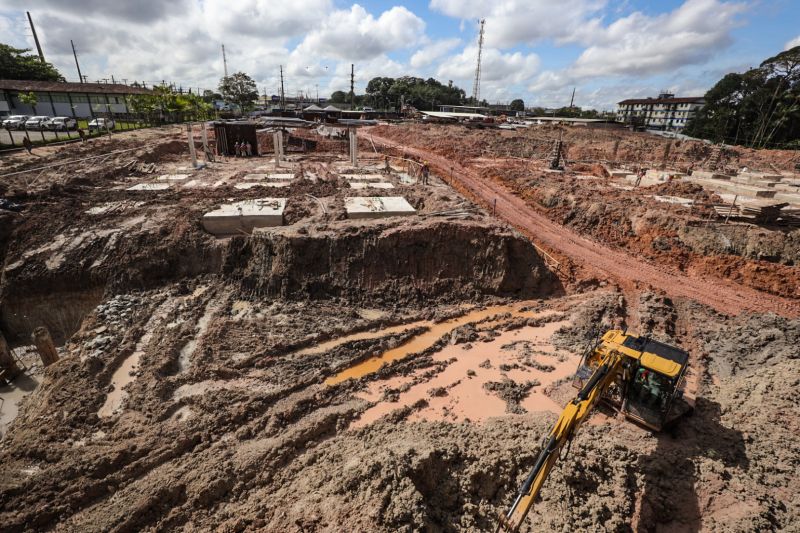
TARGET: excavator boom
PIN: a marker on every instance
(565, 428)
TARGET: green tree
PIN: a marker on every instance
(422, 94)
(19, 64)
(338, 97)
(209, 96)
(29, 99)
(517, 105)
(240, 89)
(759, 108)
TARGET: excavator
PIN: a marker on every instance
(637, 376)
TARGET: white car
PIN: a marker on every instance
(36, 123)
(102, 124)
(15, 122)
(61, 124)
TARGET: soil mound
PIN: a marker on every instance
(381, 263)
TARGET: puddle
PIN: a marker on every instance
(420, 342)
(10, 397)
(122, 377)
(466, 397)
(186, 353)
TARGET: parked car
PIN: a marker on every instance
(36, 123)
(102, 124)
(15, 122)
(61, 124)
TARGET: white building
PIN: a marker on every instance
(61, 99)
(663, 113)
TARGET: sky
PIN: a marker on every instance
(537, 50)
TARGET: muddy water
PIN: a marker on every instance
(416, 344)
(186, 353)
(122, 377)
(10, 397)
(464, 379)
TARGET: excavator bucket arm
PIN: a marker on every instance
(565, 428)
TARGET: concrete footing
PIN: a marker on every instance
(377, 207)
(243, 217)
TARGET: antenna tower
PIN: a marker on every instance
(476, 85)
(224, 61)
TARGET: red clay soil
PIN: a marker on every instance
(593, 258)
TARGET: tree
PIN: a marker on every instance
(240, 89)
(18, 64)
(29, 99)
(517, 105)
(420, 93)
(338, 97)
(210, 96)
(759, 108)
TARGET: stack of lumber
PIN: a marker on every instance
(754, 210)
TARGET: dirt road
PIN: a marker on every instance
(630, 272)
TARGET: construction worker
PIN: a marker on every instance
(425, 172)
(237, 149)
(248, 149)
(26, 142)
(82, 135)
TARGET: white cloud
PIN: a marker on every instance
(510, 22)
(641, 45)
(794, 42)
(495, 66)
(355, 35)
(428, 55)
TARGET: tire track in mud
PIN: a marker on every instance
(724, 296)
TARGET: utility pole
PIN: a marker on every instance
(224, 61)
(572, 100)
(35, 37)
(476, 85)
(77, 65)
(352, 84)
(283, 101)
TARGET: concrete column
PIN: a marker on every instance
(205, 139)
(277, 145)
(191, 145)
(353, 147)
(44, 344)
(7, 362)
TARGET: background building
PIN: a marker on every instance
(66, 99)
(663, 113)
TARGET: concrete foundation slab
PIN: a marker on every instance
(377, 207)
(707, 174)
(173, 177)
(371, 185)
(364, 177)
(245, 216)
(149, 187)
(247, 185)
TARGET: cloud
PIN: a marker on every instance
(355, 35)
(264, 19)
(511, 22)
(641, 45)
(495, 65)
(428, 55)
(138, 11)
(791, 44)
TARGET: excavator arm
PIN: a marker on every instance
(565, 428)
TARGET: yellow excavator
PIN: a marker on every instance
(637, 376)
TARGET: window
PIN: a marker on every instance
(95, 99)
(80, 99)
(60, 98)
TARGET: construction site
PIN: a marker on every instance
(376, 329)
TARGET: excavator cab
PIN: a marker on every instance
(649, 389)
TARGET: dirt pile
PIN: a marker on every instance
(386, 263)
